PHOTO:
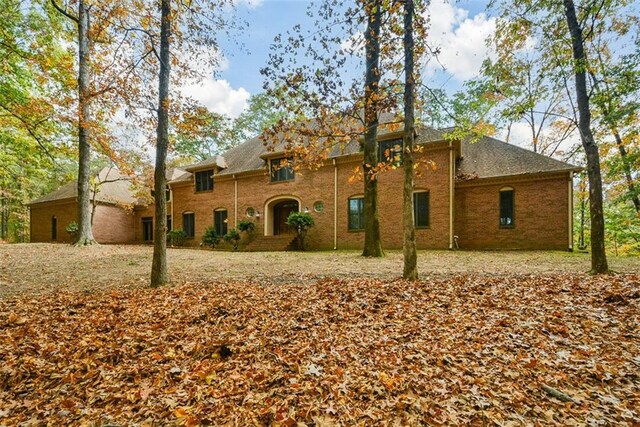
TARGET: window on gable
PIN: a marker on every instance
(356, 213)
(421, 209)
(390, 151)
(281, 170)
(204, 180)
(507, 208)
(189, 224)
(220, 221)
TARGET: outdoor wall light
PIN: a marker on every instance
(257, 214)
(306, 210)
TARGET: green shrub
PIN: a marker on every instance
(210, 237)
(302, 222)
(232, 237)
(72, 228)
(246, 225)
(176, 237)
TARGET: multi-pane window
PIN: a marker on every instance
(169, 223)
(189, 224)
(281, 170)
(390, 151)
(421, 209)
(507, 208)
(220, 221)
(204, 180)
(356, 213)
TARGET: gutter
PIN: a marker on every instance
(235, 201)
(570, 211)
(451, 192)
(335, 204)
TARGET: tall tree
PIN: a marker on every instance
(159, 264)
(598, 253)
(82, 21)
(372, 239)
(410, 270)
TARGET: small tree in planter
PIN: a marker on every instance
(210, 237)
(247, 226)
(302, 222)
(176, 237)
(232, 237)
(72, 230)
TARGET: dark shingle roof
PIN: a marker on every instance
(115, 189)
(487, 158)
(490, 158)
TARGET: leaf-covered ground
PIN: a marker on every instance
(37, 268)
(460, 350)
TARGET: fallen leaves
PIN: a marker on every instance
(465, 350)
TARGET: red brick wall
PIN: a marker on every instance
(111, 224)
(541, 215)
(540, 207)
(41, 214)
(312, 186)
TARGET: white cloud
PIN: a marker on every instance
(460, 39)
(219, 97)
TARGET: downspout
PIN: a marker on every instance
(173, 219)
(235, 201)
(335, 204)
(570, 213)
(451, 193)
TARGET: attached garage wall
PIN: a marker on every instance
(541, 215)
(41, 215)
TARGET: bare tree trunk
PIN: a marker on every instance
(4, 214)
(159, 265)
(85, 233)
(598, 254)
(372, 240)
(410, 270)
(631, 185)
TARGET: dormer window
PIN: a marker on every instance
(281, 170)
(390, 151)
(204, 180)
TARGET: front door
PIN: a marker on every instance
(147, 229)
(281, 212)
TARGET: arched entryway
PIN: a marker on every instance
(277, 211)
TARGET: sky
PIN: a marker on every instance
(459, 28)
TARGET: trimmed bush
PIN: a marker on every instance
(232, 237)
(210, 237)
(176, 237)
(302, 222)
(246, 225)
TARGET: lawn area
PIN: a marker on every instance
(40, 268)
(315, 339)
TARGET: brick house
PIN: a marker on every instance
(484, 195)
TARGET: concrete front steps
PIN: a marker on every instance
(281, 242)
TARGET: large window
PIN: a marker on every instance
(421, 209)
(390, 151)
(204, 180)
(54, 228)
(189, 224)
(356, 213)
(220, 221)
(281, 170)
(507, 208)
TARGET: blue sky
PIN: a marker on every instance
(459, 28)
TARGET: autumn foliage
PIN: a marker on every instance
(464, 350)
